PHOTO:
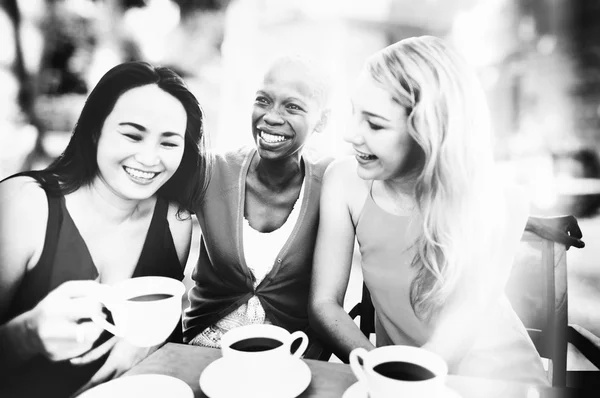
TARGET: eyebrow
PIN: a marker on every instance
(143, 129)
(287, 99)
(134, 125)
(367, 113)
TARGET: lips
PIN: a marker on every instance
(365, 156)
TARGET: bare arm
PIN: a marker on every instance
(18, 341)
(332, 264)
(50, 328)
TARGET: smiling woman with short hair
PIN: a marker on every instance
(259, 216)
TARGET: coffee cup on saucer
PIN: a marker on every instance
(258, 361)
(145, 310)
(261, 349)
(394, 371)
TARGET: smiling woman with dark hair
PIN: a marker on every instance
(78, 165)
(114, 205)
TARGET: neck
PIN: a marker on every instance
(402, 193)
(107, 204)
(400, 186)
(279, 174)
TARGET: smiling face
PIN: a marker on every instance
(379, 135)
(287, 110)
(141, 143)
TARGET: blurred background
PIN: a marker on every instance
(538, 60)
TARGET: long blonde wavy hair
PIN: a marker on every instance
(449, 123)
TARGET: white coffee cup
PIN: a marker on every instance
(409, 371)
(261, 346)
(145, 310)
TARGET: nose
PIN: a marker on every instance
(353, 134)
(273, 117)
(147, 155)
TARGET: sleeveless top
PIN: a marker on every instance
(502, 350)
(65, 257)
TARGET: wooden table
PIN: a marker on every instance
(329, 380)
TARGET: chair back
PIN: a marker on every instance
(537, 290)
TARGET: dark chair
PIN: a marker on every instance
(537, 289)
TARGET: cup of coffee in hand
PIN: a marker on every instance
(145, 310)
(394, 371)
(266, 349)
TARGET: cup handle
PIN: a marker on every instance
(105, 296)
(303, 345)
(357, 361)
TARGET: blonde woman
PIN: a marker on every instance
(436, 228)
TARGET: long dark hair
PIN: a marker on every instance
(77, 165)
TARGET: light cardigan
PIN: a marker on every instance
(222, 279)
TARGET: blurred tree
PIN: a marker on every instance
(187, 6)
(586, 43)
(28, 88)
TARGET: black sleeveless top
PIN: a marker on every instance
(65, 257)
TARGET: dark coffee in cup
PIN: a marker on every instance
(256, 344)
(151, 297)
(405, 371)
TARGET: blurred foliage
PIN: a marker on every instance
(586, 41)
(187, 6)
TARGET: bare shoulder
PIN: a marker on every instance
(342, 180)
(24, 215)
(342, 172)
(23, 198)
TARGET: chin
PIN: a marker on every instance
(140, 193)
(365, 174)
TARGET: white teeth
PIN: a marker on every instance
(271, 138)
(140, 174)
(365, 156)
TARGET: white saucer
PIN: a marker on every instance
(217, 381)
(358, 390)
(145, 385)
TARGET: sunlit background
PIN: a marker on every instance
(538, 60)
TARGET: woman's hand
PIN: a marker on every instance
(61, 321)
(562, 229)
(123, 356)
